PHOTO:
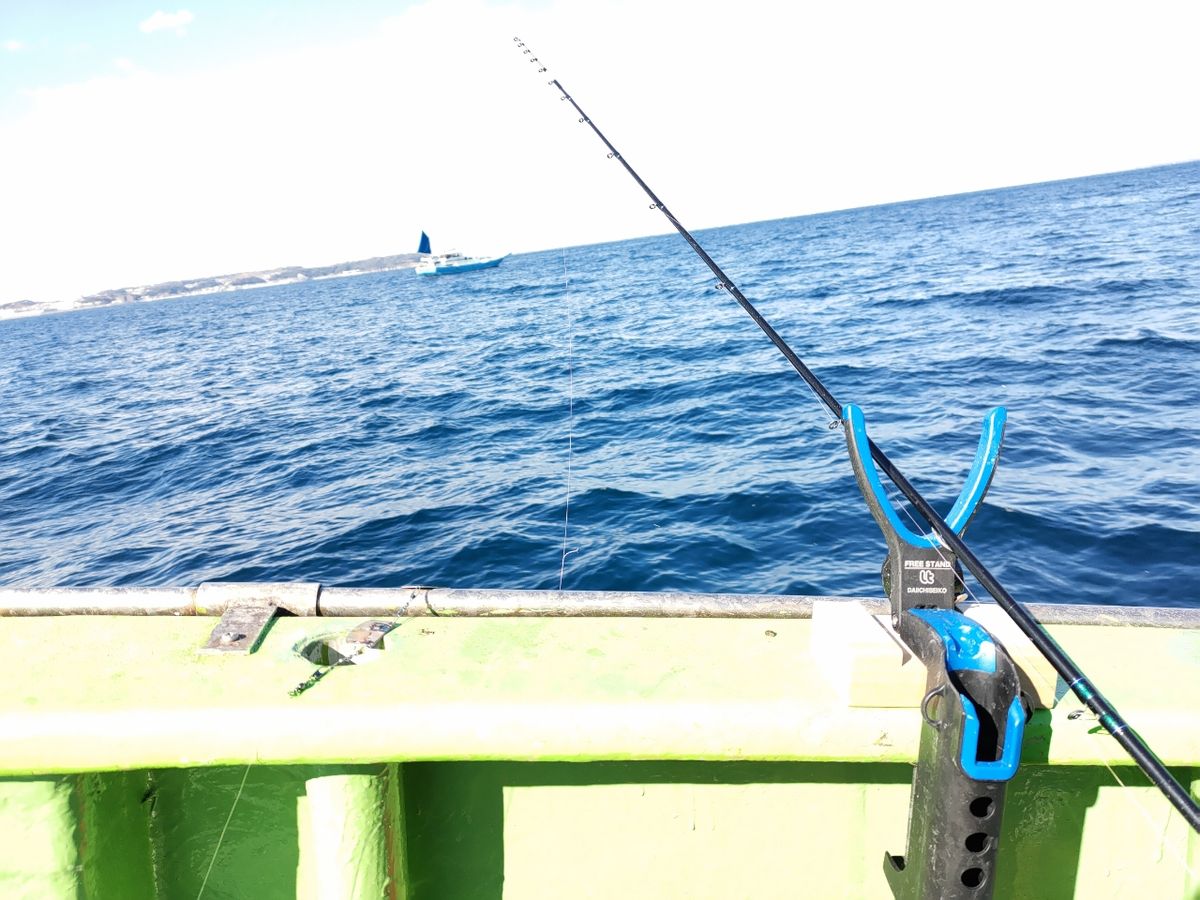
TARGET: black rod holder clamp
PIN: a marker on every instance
(974, 716)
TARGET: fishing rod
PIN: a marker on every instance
(1083, 688)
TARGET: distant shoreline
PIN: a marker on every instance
(216, 284)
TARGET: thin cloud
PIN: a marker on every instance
(829, 115)
(161, 21)
(13, 46)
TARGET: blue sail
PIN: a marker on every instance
(423, 247)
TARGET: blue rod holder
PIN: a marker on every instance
(974, 715)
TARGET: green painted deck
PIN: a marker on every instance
(540, 758)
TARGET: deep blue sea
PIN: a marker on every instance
(391, 429)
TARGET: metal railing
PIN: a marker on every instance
(212, 598)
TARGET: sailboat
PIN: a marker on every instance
(452, 261)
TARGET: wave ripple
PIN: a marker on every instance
(388, 429)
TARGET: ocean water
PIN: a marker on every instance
(388, 429)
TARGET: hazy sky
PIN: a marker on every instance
(142, 144)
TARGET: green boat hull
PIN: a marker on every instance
(476, 757)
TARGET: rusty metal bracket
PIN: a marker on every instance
(331, 652)
(247, 610)
(241, 628)
(368, 635)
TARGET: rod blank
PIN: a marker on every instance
(1110, 718)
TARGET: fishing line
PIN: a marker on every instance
(562, 565)
(1129, 795)
(1154, 826)
(378, 630)
(1074, 677)
(221, 839)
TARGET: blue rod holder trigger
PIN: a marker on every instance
(969, 648)
(1003, 768)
